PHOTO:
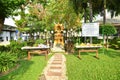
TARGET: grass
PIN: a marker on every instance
(90, 68)
(28, 70)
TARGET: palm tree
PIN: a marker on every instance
(113, 7)
(104, 16)
(81, 6)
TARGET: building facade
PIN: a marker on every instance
(8, 33)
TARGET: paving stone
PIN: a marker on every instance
(54, 67)
(58, 56)
(51, 73)
(56, 63)
(57, 60)
(55, 70)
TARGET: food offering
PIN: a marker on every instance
(88, 45)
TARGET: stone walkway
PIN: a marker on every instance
(55, 69)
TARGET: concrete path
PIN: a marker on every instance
(57, 49)
(55, 69)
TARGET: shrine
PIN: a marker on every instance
(58, 36)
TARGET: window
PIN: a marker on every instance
(6, 38)
(1, 38)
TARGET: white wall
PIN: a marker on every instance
(24, 37)
(6, 35)
(14, 35)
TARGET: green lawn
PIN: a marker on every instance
(90, 68)
(28, 70)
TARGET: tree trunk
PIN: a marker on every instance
(104, 16)
(1, 23)
(91, 12)
(85, 20)
(91, 16)
(104, 10)
(18, 35)
(107, 43)
(85, 16)
(31, 36)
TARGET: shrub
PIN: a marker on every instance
(107, 30)
(10, 55)
(39, 41)
(15, 49)
(30, 43)
(4, 48)
(97, 41)
(115, 43)
(7, 61)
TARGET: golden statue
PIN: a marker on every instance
(58, 36)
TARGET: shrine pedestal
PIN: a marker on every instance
(58, 36)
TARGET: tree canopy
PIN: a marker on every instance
(98, 7)
(108, 29)
(45, 13)
(7, 7)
